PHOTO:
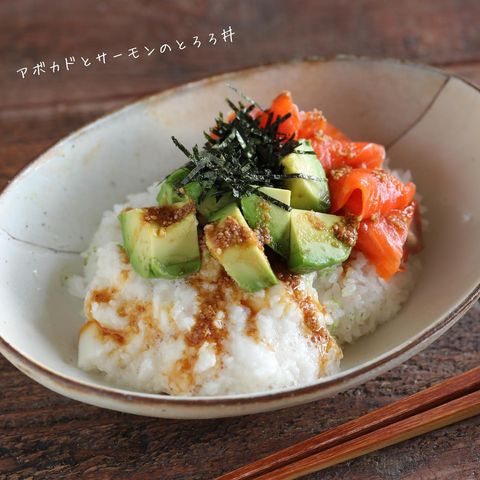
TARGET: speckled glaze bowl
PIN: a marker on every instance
(429, 122)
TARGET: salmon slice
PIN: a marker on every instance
(357, 154)
(365, 191)
(334, 154)
(333, 132)
(382, 240)
(301, 125)
(281, 106)
(320, 145)
(313, 124)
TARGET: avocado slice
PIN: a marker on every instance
(271, 221)
(212, 203)
(161, 242)
(233, 243)
(169, 194)
(306, 194)
(319, 240)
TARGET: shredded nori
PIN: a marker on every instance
(240, 155)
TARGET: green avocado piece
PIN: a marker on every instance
(158, 248)
(169, 194)
(272, 221)
(212, 203)
(306, 194)
(234, 244)
(314, 241)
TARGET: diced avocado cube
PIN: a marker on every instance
(212, 203)
(161, 242)
(233, 243)
(316, 240)
(169, 194)
(271, 221)
(306, 194)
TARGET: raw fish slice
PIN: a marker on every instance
(335, 154)
(281, 106)
(356, 154)
(382, 240)
(333, 132)
(365, 191)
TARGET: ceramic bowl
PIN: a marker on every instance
(429, 122)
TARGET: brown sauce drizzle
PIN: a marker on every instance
(315, 221)
(213, 296)
(114, 335)
(124, 275)
(211, 301)
(104, 295)
(136, 311)
(167, 215)
(262, 230)
(346, 265)
(309, 306)
(123, 255)
(264, 212)
(251, 327)
(228, 233)
(347, 230)
(263, 236)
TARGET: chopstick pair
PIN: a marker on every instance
(453, 400)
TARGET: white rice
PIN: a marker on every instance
(358, 299)
(155, 355)
(158, 315)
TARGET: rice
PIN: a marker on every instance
(153, 334)
(145, 334)
(358, 300)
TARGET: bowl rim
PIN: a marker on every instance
(83, 390)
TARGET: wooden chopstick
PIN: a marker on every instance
(438, 417)
(437, 406)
